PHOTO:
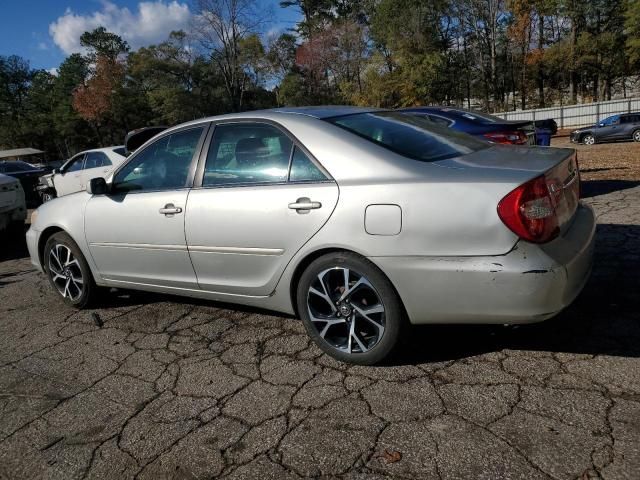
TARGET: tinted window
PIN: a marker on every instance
(120, 151)
(410, 135)
(474, 116)
(630, 119)
(440, 121)
(303, 169)
(247, 153)
(611, 120)
(95, 160)
(163, 165)
(76, 164)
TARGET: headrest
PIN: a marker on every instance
(248, 150)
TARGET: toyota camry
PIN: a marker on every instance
(359, 221)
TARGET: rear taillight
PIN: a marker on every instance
(529, 212)
(517, 137)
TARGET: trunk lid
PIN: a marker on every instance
(519, 164)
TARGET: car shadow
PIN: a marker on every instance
(13, 246)
(604, 319)
(593, 188)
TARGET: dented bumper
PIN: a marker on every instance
(530, 283)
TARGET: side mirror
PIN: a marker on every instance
(98, 186)
(55, 171)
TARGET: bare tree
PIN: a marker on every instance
(221, 26)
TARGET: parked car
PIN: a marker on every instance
(28, 175)
(13, 209)
(613, 128)
(77, 171)
(354, 219)
(547, 124)
(483, 125)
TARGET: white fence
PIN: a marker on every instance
(576, 115)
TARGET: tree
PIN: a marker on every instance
(102, 43)
(632, 25)
(221, 26)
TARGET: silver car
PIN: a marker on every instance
(358, 221)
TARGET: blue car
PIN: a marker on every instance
(489, 127)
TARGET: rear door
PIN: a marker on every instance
(629, 124)
(259, 197)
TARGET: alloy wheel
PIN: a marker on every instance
(346, 310)
(589, 140)
(65, 272)
(636, 136)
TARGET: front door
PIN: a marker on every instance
(136, 233)
(69, 180)
(609, 129)
(261, 199)
(96, 164)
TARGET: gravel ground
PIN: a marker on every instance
(606, 161)
(172, 388)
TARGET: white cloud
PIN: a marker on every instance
(53, 71)
(152, 23)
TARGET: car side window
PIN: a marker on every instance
(76, 164)
(95, 160)
(247, 153)
(162, 165)
(303, 169)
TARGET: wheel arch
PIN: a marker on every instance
(42, 241)
(311, 256)
(584, 134)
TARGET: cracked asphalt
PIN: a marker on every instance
(173, 388)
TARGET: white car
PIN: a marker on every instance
(78, 170)
(13, 210)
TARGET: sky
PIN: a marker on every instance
(45, 32)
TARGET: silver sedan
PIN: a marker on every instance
(358, 221)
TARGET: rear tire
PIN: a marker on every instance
(636, 136)
(350, 309)
(588, 139)
(68, 271)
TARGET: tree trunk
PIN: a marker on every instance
(573, 75)
(540, 67)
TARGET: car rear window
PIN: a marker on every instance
(409, 135)
(15, 166)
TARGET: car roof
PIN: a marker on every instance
(324, 111)
(104, 149)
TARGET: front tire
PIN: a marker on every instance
(589, 139)
(350, 309)
(68, 271)
(636, 136)
(47, 196)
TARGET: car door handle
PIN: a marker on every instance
(304, 204)
(170, 209)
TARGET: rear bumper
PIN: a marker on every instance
(531, 283)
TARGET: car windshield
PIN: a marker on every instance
(409, 135)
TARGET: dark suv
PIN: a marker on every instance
(617, 127)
